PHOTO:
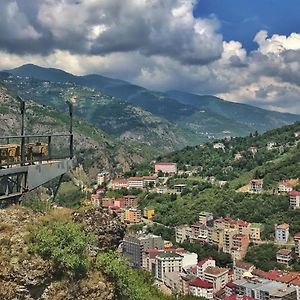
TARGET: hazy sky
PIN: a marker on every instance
(242, 50)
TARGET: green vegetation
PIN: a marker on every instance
(64, 243)
(263, 257)
(69, 195)
(131, 284)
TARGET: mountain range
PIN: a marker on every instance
(164, 121)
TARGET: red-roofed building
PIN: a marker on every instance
(294, 199)
(107, 202)
(165, 167)
(285, 186)
(201, 288)
(203, 265)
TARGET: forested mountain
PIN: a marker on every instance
(187, 122)
(94, 148)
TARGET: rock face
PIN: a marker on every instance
(106, 227)
(29, 277)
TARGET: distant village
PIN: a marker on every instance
(179, 271)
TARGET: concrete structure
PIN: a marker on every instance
(241, 268)
(264, 289)
(165, 167)
(136, 182)
(174, 282)
(282, 233)
(285, 186)
(255, 232)
(179, 187)
(206, 218)
(203, 265)
(256, 185)
(133, 247)
(284, 256)
(240, 243)
(271, 146)
(297, 243)
(182, 233)
(167, 263)
(217, 276)
(189, 259)
(199, 233)
(102, 178)
(294, 199)
(131, 215)
(201, 288)
(118, 184)
(149, 213)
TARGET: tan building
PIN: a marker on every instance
(182, 233)
(241, 268)
(217, 276)
(256, 185)
(297, 243)
(118, 184)
(240, 244)
(149, 213)
(205, 217)
(131, 215)
(284, 256)
(255, 232)
(294, 199)
(136, 182)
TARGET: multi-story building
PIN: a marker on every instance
(107, 202)
(284, 256)
(228, 235)
(294, 199)
(167, 262)
(241, 268)
(131, 215)
(102, 178)
(165, 167)
(133, 247)
(216, 236)
(206, 218)
(150, 181)
(182, 233)
(201, 288)
(136, 182)
(203, 265)
(256, 185)
(282, 233)
(130, 201)
(118, 184)
(297, 243)
(199, 233)
(217, 276)
(240, 243)
(255, 232)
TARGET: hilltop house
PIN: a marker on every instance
(256, 185)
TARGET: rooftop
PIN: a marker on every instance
(283, 226)
(215, 271)
(166, 163)
(284, 252)
(203, 261)
(294, 193)
(168, 255)
(256, 225)
(201, 283)
(243, 265)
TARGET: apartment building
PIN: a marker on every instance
(167, 262)
(297, 243)
(240, 243)
(118, 184)
(199, 232)
(102, 178)
(136, 182)
(282, 233)
(241, 268)
(134, 245)
(149, 213)
(201, 288)
(218, 277)
(285, 186)
(255, 232)
(203, 265)
(182, 233)
(294, 199)
(206, 218)
(131, 215)
(256, 185)
(284, 256)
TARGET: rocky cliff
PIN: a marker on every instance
(24, 275)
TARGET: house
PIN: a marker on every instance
(294, 199)
(179, 187)
(118, 184)
(201, 288)
(136, 182)
(253, 150)
(165, 167)
(150, 180)
(256, 185)
(282, 233)
(271, 146)
(167, 262)
(182, 233)
(255, 232)
(131, 215)
(285, 186)
(149, 213)
(219, 146)
(297, 134)
(241, 269)
(238, 156)
(203, 265)
(284, 256)
(217, 276)
(297, 243)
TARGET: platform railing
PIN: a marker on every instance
(29, 149)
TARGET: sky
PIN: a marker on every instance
(240, 50)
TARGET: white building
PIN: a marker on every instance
(284, 256)
(201, 288)
(102, 178)
(189, 259)
(282, 233)
(167, 263)
(294, 199)
(203, 265)
(217, 276)
(136, 182)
